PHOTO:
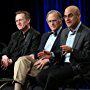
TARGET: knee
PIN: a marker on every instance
(20, 60)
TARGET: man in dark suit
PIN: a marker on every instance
(75, 45)
(23, 42)
(50, 41)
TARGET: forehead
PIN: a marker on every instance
(69, 11)
(21, 15)
(52, 15)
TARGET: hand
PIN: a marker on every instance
(44, 54)
(32, 56)
(40, 54)
(47, 54)
(5, 62)
(66, 49)
(41, 63)
(37, 62)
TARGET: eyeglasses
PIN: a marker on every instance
(68, 16)
(53, 21)
(19, 20)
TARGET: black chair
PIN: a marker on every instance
(78, 82)
(6, 84)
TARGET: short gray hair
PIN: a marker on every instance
(54, 11)
(27, 14)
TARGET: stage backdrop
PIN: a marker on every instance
(38, 10)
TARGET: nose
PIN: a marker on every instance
(52, 23)
(66, 18)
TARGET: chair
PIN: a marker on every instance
(4, 82)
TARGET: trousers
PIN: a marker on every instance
(24, 66)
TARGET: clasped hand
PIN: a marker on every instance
(66, 49)
(5, 62)
(44, 59)
(44, 55)
(41, 63)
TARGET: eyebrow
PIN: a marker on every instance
(69, 14)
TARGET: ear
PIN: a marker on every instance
(79, 16)
(28, 20)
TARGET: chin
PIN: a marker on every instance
(54, 29)
(20, 28)
(68, 26)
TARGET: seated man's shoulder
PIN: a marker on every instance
(34, 31)
(17, 32)
(85, 30)
(46, 33)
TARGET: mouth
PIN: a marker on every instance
(68, 22)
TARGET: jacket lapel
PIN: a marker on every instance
(78, 34)
(27, 41)
(64, 36)
(45, 38)
(57, 41)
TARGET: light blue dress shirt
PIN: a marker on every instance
(50, 41)
(70, 41)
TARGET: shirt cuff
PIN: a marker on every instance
(52, 55)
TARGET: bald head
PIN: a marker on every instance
(72, 16)
(73, 9)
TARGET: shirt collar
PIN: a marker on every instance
(57, 32)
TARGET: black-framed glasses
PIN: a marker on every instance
(19, 20)
(53, 21)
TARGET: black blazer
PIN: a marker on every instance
(55, 47)
(15, 48)
(81, 46)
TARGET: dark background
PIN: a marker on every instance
(38, 10)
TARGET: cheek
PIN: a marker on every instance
(18, 23)
(73, 21)
(23, 24)
(49, 25)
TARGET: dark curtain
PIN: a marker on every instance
(38, 10)
(60, 5)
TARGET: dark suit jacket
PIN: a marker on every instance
(81, 46)
(18, 47)
(55, 47)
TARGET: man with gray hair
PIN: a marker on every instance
(34, 63)
(23, 42)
